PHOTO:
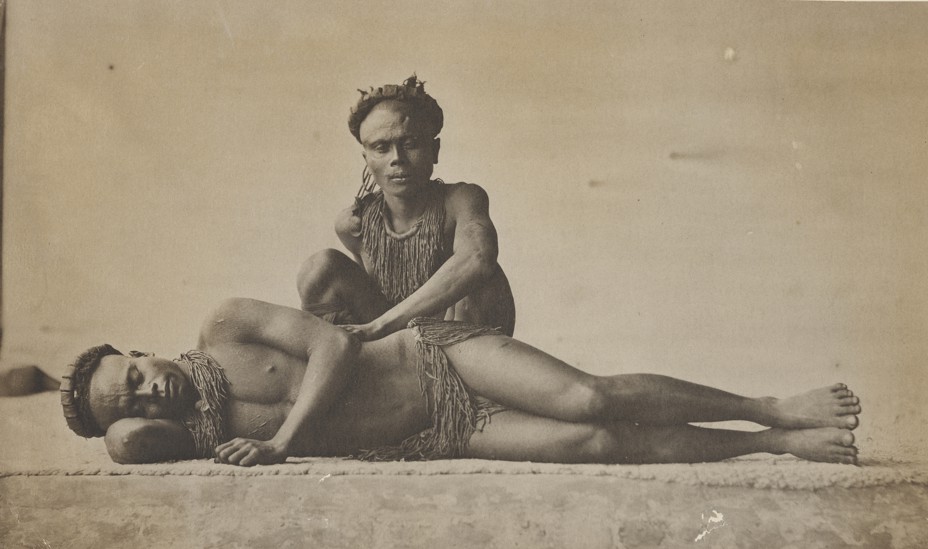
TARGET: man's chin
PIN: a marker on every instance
(403, 185)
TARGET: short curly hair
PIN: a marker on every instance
(75, 391)
(411, 92)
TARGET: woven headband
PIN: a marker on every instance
(412, 90)
(74, 403)
(82, 424)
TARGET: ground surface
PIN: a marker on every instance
(493, 511)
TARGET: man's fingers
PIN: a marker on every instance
(251, 459)
(223, 455)
(239, 454)
(223, 451)
(241, 451)
(223, 446)
(358, 330)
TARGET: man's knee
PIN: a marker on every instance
(628, 442)
(601, 445)
(319, 270)
(591, 401)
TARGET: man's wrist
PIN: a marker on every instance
(384, 325)
(281, 443)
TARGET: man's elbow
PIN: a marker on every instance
(137, 440)
(482, 264)
(126, 445)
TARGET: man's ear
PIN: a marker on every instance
(436, 146)
(364, 155)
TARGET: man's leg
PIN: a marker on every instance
(517, 436)
(520, 376)
(489, 305)
(330, 279)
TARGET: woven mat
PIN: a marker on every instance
(37, 443)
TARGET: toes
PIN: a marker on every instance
(847, 410)
(847, 450)
(838, 387)
(848, 460)
(842, 393)
(848, 401)
(846, 438)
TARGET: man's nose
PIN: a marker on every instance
(152, 389)
(398, 156)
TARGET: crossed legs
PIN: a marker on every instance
(573, 416)
(518, 436)
(331, 278)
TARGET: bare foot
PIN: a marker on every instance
(827, 444)
(834, 406)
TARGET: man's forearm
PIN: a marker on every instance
(328, 371)
(453, 281)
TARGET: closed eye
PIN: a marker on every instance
(133, 377)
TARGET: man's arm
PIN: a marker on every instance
(138, 440)
(471, 264)
(330, 353)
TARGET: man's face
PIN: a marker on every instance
(146, 387)
(398, 147)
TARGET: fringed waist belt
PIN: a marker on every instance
(456, 413)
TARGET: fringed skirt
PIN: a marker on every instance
(456, 413)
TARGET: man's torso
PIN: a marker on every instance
(490, 304)
(381, 405)
(400, 264)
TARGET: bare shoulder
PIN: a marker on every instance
(466, 198)
(241, 321)
(230, 320)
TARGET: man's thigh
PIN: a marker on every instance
(517, 436)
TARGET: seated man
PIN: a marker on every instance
(421, 247)
(291, 384)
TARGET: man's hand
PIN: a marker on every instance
(366, 332)
(247, 452)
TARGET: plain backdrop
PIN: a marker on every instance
(728, 192)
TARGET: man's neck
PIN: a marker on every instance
(403, 212)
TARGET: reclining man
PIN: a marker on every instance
(292, 385)
(421, 247)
